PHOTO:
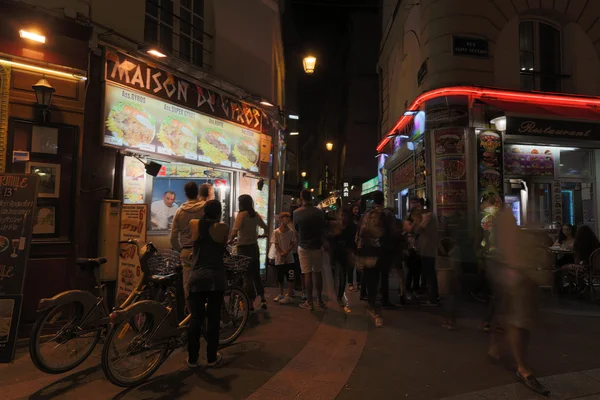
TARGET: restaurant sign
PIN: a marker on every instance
(160, 83)
(134, 120)
(370, 186)
(552, 128)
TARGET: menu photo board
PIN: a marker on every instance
(451, 195)
(135, 120)
(489, 179)
(133, 226)
(529, 160)
(18, 194)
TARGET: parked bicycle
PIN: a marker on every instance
(72, 323)
(130, 357)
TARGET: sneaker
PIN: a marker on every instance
(286, 300)
(307, 306)
(304, 297)
(216, 362)
(449, 325)
(278, 298)
(378, 321)
(263, 304)
(191, 364)
(351, 288)
(486, 327)
(342, 303)
(321, 304)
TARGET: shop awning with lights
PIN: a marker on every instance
(558, 108)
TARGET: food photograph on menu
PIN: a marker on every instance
(135, 120)
(130, 124)
(215, 146)
(246, 152)
(177, 135)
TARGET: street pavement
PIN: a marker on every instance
(289, 353)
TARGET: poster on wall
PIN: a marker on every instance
(261, 205)
(134, 181)
(489, 181)
(451, 188)
(133, 226)
(134, 120)
(18, 194)
(403, 176)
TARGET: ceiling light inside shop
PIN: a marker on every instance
(266, 103)
(156, 53)
(294, 133)
(293, 116)
(32, 36)
(409, 113)
(500, 123)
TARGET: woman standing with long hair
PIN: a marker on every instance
(207, 282)
(245, 229)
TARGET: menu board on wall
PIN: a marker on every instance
(134, 120)
(133, 226)
(489, 179)
(450, 187)
(529, 160)
(18, 194)
(261, 205)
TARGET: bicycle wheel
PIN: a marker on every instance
(235, 312)
(128, 358)
(58, 344)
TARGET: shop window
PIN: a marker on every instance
(575, 163)
(168, 193)
(540, 56)
(176, 26)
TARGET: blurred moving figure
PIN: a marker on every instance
(515, 275)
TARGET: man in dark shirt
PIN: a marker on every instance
(310, 225)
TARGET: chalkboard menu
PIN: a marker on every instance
(18, 193)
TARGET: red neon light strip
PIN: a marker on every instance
(480, 92)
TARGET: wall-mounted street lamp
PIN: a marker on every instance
(303, 174)
(43, 96)
(329, 146)
(309, 63)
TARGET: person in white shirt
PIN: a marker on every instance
(284, 240)
(163, 211)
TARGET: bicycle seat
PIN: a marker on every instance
(91, 262)
(164, 280)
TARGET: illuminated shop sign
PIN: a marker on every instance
(370, 186)
(160, 83)
(134, 120)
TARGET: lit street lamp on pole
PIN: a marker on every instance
(309, 63)
(329, 146)
(303, 174)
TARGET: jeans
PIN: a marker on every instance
(371, 281)
(344, 266)
(384, 271)
(430, 275)
(413, 264)
(254, 284)
(204, 305)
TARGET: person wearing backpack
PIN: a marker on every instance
(374, 241)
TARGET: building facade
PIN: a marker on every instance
(190, 71)
(490, 102)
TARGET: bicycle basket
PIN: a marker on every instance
(164, 262)
(236, 263)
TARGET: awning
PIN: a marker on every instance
(588, 113)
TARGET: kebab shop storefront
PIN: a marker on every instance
(535, 153)
(171, 132)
